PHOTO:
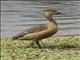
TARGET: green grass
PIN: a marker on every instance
(54, 48)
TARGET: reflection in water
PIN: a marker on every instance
(19, 15)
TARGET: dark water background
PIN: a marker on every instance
(19, 15)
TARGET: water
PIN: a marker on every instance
(19, 15)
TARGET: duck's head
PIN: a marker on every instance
(50, 12)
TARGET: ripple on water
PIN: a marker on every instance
(16, 15)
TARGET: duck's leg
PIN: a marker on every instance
(32, 43)
(37, 42)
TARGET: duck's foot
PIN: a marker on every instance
(32, 44)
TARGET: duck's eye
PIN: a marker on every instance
(54, 11)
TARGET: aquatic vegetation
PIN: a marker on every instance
(54, 48)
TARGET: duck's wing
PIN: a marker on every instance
(34, 29)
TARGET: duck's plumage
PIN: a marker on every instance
(31, 30)
(40, 32)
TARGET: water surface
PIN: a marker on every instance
(19, 15)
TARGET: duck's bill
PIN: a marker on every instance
(59, 13)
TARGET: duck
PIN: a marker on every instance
(40, 32)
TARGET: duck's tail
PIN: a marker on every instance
(18, 36)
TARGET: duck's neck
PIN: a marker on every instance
(51, 20)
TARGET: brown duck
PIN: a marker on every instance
(40, 32)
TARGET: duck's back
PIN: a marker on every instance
(29, 32)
